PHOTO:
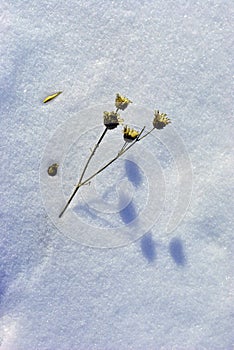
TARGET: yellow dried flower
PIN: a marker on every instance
(160, 120)
(111, 120)
(130, 134)
(121, 102)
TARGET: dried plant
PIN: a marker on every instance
(111, 121)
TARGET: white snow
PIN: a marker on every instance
(163, 211)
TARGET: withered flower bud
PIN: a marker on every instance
(160, 120)
(121, 102)
(111, 119)
(130, 134)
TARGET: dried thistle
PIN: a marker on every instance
(129, 134)
(111, 120)
(122, 102)
(160, 120)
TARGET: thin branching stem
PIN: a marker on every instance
(112, 160)
(83, 172)
(124, 146)
(146, 134)
(122, 151)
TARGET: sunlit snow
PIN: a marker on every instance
(142, 257)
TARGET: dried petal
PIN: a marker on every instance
(51, 97)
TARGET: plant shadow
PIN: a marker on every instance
(128, 213)
(133, 172)
(176, 249)
(148, 247)
(3, 284)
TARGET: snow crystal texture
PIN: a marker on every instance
(164, 286)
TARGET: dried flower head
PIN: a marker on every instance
(111, 120)
(121, 102)
(160, 120)
(130, 134)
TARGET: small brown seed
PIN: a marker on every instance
(52, 170)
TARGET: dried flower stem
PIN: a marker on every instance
(149, 132)
(124, 147)
(120, 153)
(83, 172)
(80, 183)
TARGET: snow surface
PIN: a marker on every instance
(168, 284)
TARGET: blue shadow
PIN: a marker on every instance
(177, 251)
(85, 210)
(148, 247)
(3, 284)
(133, 173)
(128, 214)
